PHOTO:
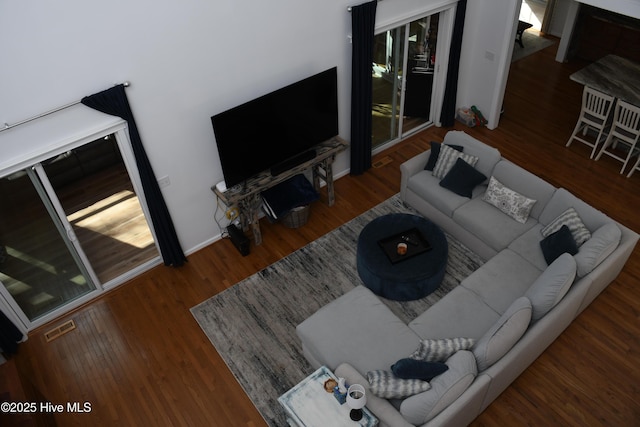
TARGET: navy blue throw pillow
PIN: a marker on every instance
(557, 243)
(435, 153)
(462, 178)
(417, 369)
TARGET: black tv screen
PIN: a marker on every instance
(268, 130)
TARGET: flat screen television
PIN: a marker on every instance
(277, 128)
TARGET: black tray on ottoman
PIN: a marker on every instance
(416, 244)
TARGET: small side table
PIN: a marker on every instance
(307, 404)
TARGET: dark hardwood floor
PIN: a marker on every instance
(139, 357)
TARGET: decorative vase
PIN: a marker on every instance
(356, 399)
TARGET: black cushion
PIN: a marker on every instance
(462, 178)
(555, 244)
(417, 369)
(435, 153)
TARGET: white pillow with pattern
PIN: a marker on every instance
(508, 201)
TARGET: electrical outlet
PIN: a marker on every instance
(164, 181)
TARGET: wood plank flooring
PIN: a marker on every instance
(139, 357)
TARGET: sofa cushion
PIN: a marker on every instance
(487, 155)
(339, 331)
(552, 285)
(572, 221)
(426, 186)
(602, 243)
(459, 313)
(502, 280)
(509, 201)
(489, 224)
(503, 334)
(445, 389)
(525, 183)
(408, 368)
(447, 158)
(386, 385)
(528, 247)
(462, 179)
(440, 349)
(435, 153)
(557, 243)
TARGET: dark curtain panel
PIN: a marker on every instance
(114, 101)
(363, 24)
(10, 335)
(448, 113)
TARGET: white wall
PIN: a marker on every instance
(486, 55)
(191, 59)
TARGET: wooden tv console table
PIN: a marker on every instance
(247, 199)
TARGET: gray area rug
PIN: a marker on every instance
(532, 43)
(252, 324)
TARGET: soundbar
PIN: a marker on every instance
(239, 240)
(292, 162)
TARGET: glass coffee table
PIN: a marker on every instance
(308, 404)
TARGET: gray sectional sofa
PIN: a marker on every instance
(509, 310)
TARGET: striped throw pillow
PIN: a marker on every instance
(439, 350)
(387, 386)
(571, 219)
(447, 159)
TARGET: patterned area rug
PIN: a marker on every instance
(252, 324)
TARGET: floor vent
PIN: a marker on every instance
(60, 330)
(382, 162)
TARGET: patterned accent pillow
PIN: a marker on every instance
(387, 386)
(439, 350)
(571, 219)
(447, 159)
(508, 201)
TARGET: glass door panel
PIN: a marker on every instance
(420, 72)
(388, 62)
(38, 267)
(403, 74)
(98, 200)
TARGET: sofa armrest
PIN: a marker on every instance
(412, 167)
(386, 413)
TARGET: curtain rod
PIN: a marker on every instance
(55, 110)
(349, 7)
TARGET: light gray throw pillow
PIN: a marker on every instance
(601, 244)
(503, 334)
(552, 285)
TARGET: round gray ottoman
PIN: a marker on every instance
(410, 279)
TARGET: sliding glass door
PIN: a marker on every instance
(39, 268)
(70, 225)
(95, 195)
(403, 79)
